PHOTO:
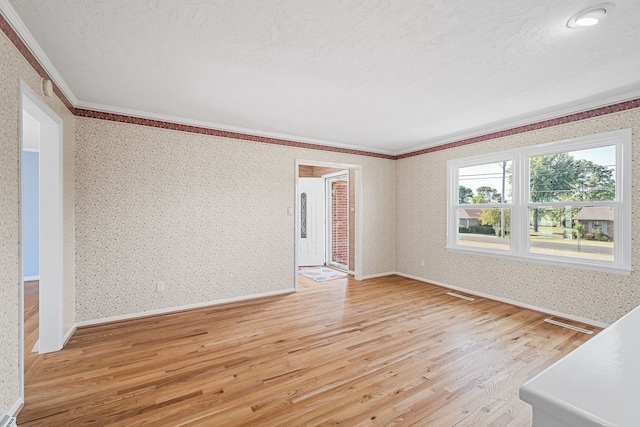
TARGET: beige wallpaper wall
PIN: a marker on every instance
(421, 222)
(205, 215)
(13, 68)
(208, 217)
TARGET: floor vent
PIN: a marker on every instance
(566, 325)
(453, 294)
(7, 421)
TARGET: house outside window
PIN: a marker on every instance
(564, 203)
(597, 221)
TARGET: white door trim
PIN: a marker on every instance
(51, 224)
(359, 226)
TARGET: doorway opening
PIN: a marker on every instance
(39, 122)
(30, 238)
(328, 223)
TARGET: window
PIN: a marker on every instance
(484, 213)
(303, 215)
(565, 203)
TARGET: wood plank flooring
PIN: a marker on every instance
(31, 326)
(383, 352)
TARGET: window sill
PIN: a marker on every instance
(541, 259)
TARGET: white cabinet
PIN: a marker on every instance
(596, 385)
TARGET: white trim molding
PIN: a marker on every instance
(13, 411)
(520, 203)
(507, 301)
(551, 113)
(109, 109)
(50, 226)
(526, 120)
(12, 17)
(358, 250)
(374, 276)
(168, 310)
(68, 335)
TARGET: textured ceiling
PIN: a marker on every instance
(384, 76)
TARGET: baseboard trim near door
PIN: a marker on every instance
(69, 334)
(373, 276)
(13, 411)
(101, 321)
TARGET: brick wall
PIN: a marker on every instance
(340, 222)
(352, 220)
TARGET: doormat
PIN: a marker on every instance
(322, 274)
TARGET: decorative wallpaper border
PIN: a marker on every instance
(80, 112)
(11, 34)
(8, 30)
(596, 112)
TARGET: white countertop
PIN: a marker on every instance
(598, 384)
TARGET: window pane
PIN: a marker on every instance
(487, 183)
(481, 228)
(303, 215)
(572, 232)
(585, 175)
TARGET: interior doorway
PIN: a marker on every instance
(30, 239)
(39, 121)
(315, 244)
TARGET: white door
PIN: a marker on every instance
(311, 211)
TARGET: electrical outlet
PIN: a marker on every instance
(160, 287)
(422, 263)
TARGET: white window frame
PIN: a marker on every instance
(520, 204)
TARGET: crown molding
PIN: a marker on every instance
(225, 128)
(23, 40)
(559, 120)
(583, 111)
(18, 26)
(507, 125)
(21, 37)
(93, 114)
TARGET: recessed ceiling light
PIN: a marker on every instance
(591, 16)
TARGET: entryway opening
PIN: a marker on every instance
(328, 218)
(41, 211)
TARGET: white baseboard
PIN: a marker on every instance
(180, 308)
(16, 407)
(68, 335)
(373, 276)
(508, 301)
(65, 339)
(30, 278)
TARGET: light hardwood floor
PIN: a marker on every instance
(386, 351)
(31, 319)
